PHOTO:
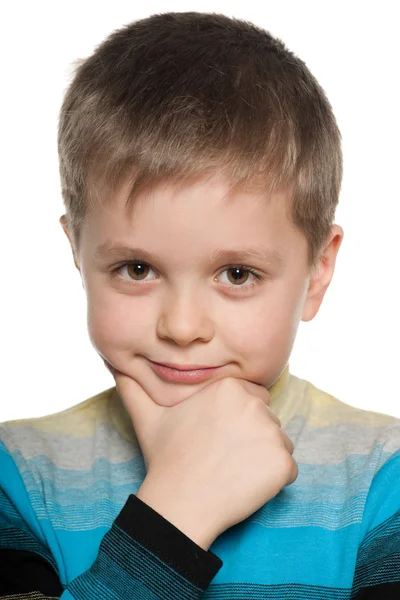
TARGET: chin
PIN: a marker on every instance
(172, 394)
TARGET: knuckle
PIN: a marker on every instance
(267, 398)
(295, 472)
(255, 408)
(226, 385)
(275, 418)
(287, 462)
(226, 397)
(291, 469)
(226, 389)
(276, 432)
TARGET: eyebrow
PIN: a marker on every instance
(109, 250)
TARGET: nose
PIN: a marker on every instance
(185, 317)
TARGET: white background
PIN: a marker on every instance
(350, 349)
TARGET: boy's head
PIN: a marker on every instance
(186, 135)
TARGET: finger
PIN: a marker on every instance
(144, 412)
(273, 416)
(288, 442)
(294, 474)
(257, 390)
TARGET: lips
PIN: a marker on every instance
(178, 367)
(184, 376)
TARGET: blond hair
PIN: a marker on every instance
(179, 94)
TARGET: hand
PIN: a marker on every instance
(212, 460)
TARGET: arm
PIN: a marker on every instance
(142, 554)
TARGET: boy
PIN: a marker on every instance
(193, 149)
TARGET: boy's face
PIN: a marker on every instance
(182, 306)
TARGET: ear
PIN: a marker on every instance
(323, 274)
(64, 225)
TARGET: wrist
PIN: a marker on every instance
(184, 515)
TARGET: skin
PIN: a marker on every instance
(185, 309)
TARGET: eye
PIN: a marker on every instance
(237, 276)
(137, 271)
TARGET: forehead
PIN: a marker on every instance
(207, 209)
(200, 192)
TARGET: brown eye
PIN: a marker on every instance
(239, 275)
(134, 272)
(137, 270)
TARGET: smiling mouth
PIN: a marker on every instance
(184, 376)
(177, 367)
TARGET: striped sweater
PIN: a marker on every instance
(71, 526)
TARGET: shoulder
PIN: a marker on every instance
(41, 435)
(343, 410)
(334, 431)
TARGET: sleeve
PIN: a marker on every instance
(377, 571)
(141, 556)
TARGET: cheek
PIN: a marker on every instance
(264, 323)
(264, 336)
(114, 323)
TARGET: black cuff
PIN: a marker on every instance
(176, 549)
